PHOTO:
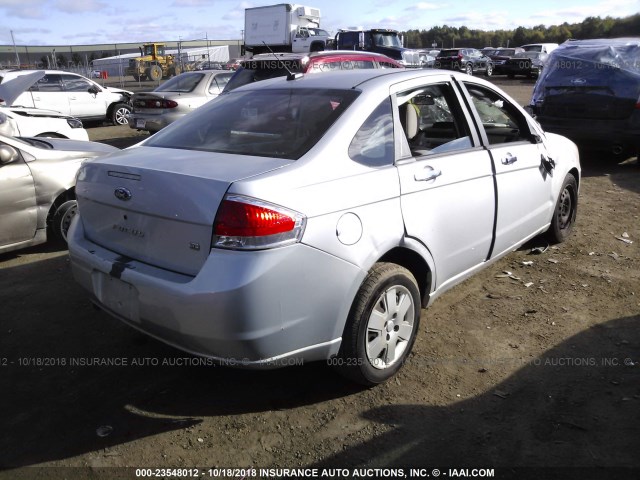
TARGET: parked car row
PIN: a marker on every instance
(527, 60)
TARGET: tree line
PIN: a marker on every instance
(591, 27)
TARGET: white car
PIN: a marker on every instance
(73, 94)
(34, 122)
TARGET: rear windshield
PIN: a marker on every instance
(182, 83)
(256, 70)
(270, 123)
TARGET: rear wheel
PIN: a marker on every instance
(564, 215)
(382, 325)
(489, 71)
(468, 69)
(62, 219)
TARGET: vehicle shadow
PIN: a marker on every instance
(51, 246)
(624, 172)
(574, 406)
(75, 380)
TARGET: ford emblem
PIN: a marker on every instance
(578, 81)
(123, 194)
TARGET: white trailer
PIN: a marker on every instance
(284, 28)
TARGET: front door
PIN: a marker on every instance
(523, 178)
(446, 180)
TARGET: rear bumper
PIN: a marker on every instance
(151, 122)
(600, 134)
(251, 309)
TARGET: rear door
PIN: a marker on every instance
(18, 209)
(523, 178)
(446, 177)
(48, 93)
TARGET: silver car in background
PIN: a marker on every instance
(37, 194)
(312, 218)
(178, 96)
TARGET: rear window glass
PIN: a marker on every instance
(270, 123)
(181, 83)
(448, 53)
(255, 71)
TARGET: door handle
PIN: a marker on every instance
(427, 174)
(509, 159)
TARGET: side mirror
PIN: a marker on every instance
(94, 89)
(8, 154)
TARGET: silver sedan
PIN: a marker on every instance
(312, 218)
(175, 98)
(37, 180)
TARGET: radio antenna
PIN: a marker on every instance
(290, 74)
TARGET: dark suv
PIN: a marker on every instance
(589, 91)
(468, 60)
(271, 65)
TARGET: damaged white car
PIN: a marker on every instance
(19, 121)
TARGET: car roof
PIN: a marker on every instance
(347, 79)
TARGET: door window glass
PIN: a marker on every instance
(501, 121)
(48, 83)
(73, 83)
(373, 144)
(432, 120)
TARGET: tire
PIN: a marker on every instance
(154, 73)
(120, 114)
(564, 214)
(489, 71)
(468, 69)
(381, 327)
(62, 219)
(136, 77)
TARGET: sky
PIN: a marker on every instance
(82, 22)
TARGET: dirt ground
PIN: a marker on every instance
(526, 374)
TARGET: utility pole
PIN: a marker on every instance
(15, 49)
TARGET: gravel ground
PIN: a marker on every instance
(502, 375)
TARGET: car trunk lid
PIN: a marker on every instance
(158, 205)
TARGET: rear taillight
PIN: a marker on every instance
(460, 56)
(245, 223)
(155, 103)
